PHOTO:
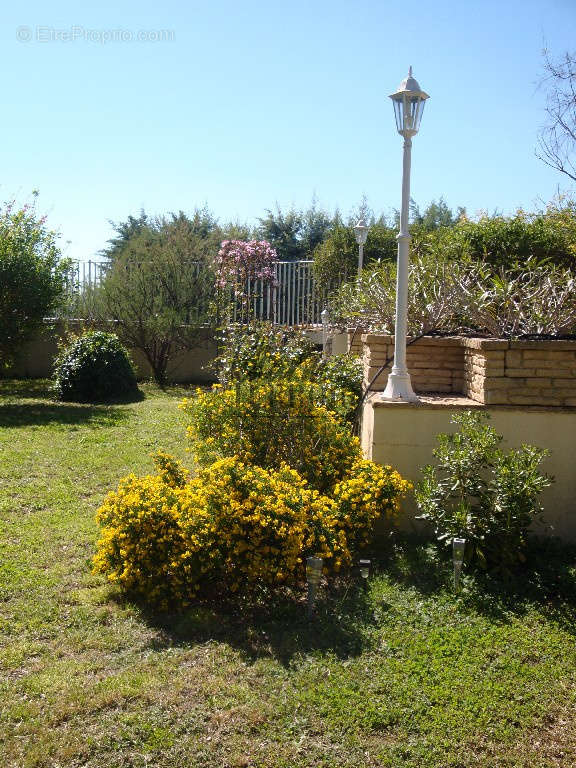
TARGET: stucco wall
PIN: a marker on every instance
(403, 435)
(36, 358)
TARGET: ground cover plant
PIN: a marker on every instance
(404, 675)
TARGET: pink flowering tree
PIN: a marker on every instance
(239, 261)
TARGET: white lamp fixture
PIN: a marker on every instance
(313, 576)
(364, 566)
(361, 234)
(409, 102)
(458, 551)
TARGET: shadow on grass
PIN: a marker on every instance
(23, 389)
(546, 581)
(41, 414)
(278, 628)
(31, 403)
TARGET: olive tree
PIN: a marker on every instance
(160, 291)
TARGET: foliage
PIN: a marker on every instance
(536, 298)
(94, 368)
(201, 224)
(125, 231)
(480, 493)
(294, 234)
(450, 296)
(557, 139)
(368, 491)
(339, 380)
(265, 523)
(233, 526)
(159, 292)
(437, 296)
(337, 256)
(141, 545)
(283, 231)
(261, 350)
(32, 277)
(507, 241)
(437, 214)
(270, 423)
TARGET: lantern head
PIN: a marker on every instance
(361, 232)
(409, 102)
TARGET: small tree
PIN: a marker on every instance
(32, 277)
(557, 140)
(239, 261)
(159, 292)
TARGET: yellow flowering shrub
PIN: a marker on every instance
(141, 546)
(270, 423)
(265, 522)
(368, 492)
(166, 538)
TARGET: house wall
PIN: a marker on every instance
(404, 435)
(36, 360)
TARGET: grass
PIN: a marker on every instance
(403, 675)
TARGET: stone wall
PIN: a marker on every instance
(435, 364)
(520, 372)
(489, 371)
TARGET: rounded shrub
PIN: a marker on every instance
(94, 368)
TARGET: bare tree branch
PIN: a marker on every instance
(557, 139)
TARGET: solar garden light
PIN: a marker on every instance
(365, 571)
(409, 102)
(313, 576)
(458, 549)
(324, 316)
(361, 233)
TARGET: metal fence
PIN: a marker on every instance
(293, 299)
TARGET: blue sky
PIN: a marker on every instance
(243, 105)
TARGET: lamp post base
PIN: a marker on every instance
(399, 388)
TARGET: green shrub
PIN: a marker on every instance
(32, 277)
(269, 423)
(336, 258)
(480, 493)
(94, 368)
(261, 350)
(530, 298)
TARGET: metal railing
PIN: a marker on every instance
(293, 299)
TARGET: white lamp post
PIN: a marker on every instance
(361, 233)
(408, 108)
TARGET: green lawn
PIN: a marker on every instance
(404, 675)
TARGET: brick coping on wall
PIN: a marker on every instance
(458, 403)
(488, 371)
